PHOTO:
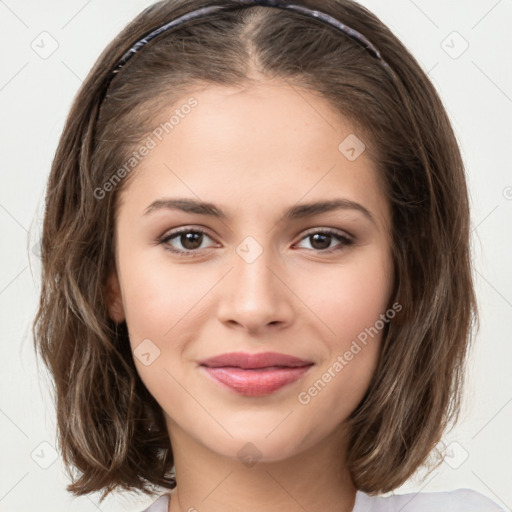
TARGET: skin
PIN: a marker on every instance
(254, 152)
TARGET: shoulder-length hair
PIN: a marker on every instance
(109, 427)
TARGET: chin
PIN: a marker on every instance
(254, 440)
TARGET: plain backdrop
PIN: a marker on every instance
(47, 49)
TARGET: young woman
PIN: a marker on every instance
(257, 286)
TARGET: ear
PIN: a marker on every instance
(114, 298)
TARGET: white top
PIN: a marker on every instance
(461, 500)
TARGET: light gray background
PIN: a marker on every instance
(36, 89)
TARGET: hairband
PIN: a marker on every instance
(211, 9)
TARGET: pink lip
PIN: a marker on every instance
(255, 374)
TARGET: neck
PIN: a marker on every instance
(314, 480)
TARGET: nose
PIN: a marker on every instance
(255, 295)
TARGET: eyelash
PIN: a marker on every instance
(345, 241)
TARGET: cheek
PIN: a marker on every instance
(352, 302)
(157, 294)
(350, 298)
(160, 300)
(165, 306)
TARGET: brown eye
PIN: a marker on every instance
(191, 240)
(188, 241)
(321, 240)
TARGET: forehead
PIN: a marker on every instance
(273, 141)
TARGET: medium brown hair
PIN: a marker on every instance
(109, 426)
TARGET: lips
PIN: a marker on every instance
(255, 374)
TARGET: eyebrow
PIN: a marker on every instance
(295, 212)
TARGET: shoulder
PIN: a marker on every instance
(160, 505)
(460, 500)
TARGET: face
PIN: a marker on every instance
(255, 271)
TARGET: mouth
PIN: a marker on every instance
(255, 374)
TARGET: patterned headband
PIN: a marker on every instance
(281, 4)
